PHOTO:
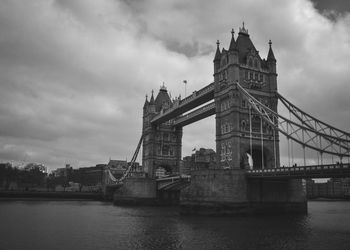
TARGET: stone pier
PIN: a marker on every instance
(228, 191)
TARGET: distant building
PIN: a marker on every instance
(160, 172)
(91, 176)
(201, 159)
(333, 188)
(62, 172)
(118, 167)
(35, 166)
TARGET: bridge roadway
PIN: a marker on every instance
(172, 183)
(302, 172)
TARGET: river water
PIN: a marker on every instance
(99, 225)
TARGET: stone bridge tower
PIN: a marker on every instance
(161, 148)
(240, 131)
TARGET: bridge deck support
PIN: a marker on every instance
(136, 191)
(220, 192)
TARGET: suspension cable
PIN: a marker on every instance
(291, 142)
(262, 143)
(251, 136)
(274, 144)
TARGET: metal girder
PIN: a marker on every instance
(301, 172)
(303, 133)
(196, 115)
(197, 98)
(320, 126)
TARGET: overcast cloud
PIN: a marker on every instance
(74, 74)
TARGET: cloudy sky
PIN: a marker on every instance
(74, 74)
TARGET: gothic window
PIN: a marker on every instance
(226, 128)
(246, 74)
(165, 150)
(250, 62)
(223, 151)
(256, 76)
(159, 150)
(166, 137)
(251, 75)
(243, 125)
(256, 123)
(229, 150)
(256, 65)
(261, 77)
(171, 151)
(243, 103)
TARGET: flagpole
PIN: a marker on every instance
(185, 82)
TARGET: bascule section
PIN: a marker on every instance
(241, 133)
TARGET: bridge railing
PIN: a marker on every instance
(307, 171)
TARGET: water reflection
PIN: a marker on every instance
(97, 225)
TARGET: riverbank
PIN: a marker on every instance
(329, 199)
(20, 195)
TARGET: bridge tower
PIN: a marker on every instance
(240, 131)
(161, 148)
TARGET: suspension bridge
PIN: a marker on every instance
(244, 99)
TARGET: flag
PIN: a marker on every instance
(185, 81)
(194, 149)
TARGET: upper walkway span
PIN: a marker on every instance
(194, 100)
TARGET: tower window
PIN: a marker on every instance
(256, 63)
(250, 63)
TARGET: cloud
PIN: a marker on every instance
(73, 74)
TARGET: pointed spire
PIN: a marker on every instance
(233, 45)
(146, 101)
(151, 102)
(217, 54)
(270, 55)
(243, 30)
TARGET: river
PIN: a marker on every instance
(99, 225)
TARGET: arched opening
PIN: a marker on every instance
(255, 159)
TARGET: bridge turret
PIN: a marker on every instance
(271, 65)
(233, 68)
(145, 106)
(152, 106)
(217, 59)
